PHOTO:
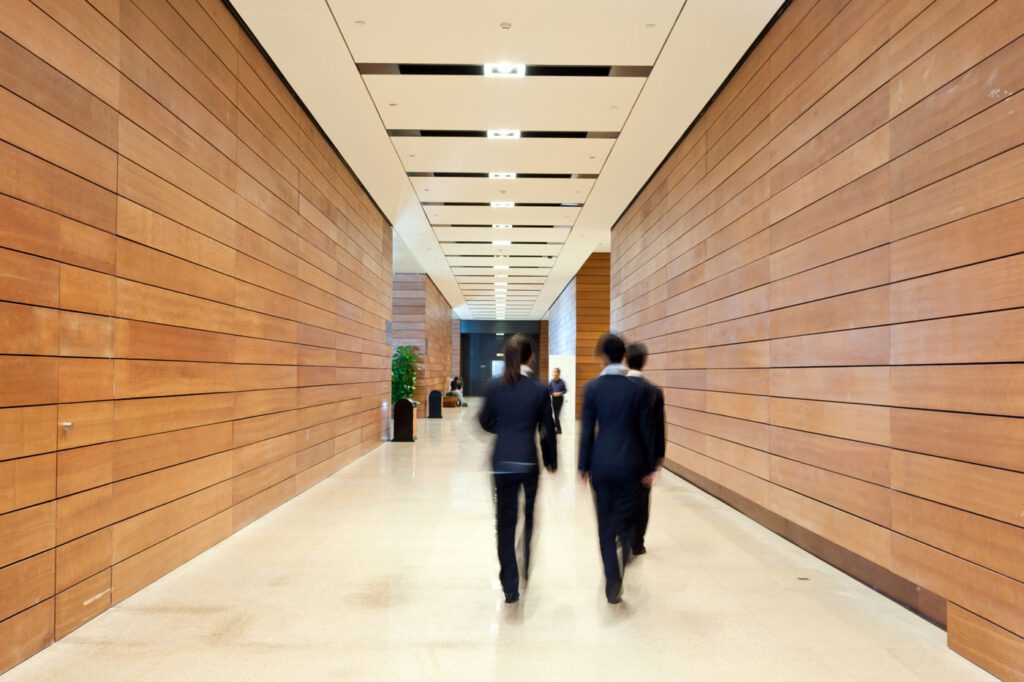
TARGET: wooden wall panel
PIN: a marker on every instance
(592, 318)
(579, 317)
(422, 318)
(191, 275)
(828, 271)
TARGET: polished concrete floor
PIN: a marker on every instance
(387, 571)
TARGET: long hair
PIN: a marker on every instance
(518, 351)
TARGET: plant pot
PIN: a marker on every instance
(405, 421)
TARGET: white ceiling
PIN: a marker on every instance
(608, 32)
(476, 103)
(520, 190)
(374, 117)
(483, 155)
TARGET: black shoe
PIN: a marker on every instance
(637, 551)
(613, 591)
(511, 597)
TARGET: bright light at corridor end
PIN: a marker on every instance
(503, 134)
(504, 70)
(502, 226)
(503, 204)
(501, 176)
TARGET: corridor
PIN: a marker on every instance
(387, 571)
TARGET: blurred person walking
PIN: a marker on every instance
(557, 389)
(636, 358)
(516, 408)
(617, 456)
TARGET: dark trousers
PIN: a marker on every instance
(643, 514)
(615, 500)
(506, 504)
(556, 406)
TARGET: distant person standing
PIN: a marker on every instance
(636, 358)
(517, 407)
(617, 455)
(557, 389)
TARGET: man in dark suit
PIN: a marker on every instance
(636, 357)
(516, 408)
(617, 455)
(557, 389)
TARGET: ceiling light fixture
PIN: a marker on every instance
(504, 134)
(503, 204)
(500, 267)
(504, 70)
(502, 226)
(501, 176)
(501, 284)
(502, 242)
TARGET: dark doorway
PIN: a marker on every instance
(482, 343)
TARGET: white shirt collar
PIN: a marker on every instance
(526, 369)
(634, 373)
(616, 368)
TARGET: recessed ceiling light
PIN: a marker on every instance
(504, 70)
(506, 26)
(501, 176)
(392, 104)
(502, 226)
(503, 204)
(500, 267)
(503, 134)
(592, 156)
(502, 242)
(501, 284)
(650, 25)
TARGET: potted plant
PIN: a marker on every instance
(403, 385)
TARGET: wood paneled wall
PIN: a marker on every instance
(593, 318)
(423, 320)
(189, 275)
(829, 272)
(579, 317)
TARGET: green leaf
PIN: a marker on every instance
(403, 373)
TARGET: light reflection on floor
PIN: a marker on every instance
(387, 571)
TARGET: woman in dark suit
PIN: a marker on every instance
(517, 407)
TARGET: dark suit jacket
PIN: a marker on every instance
(616, 440)
(515, 413)
(656, 401)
